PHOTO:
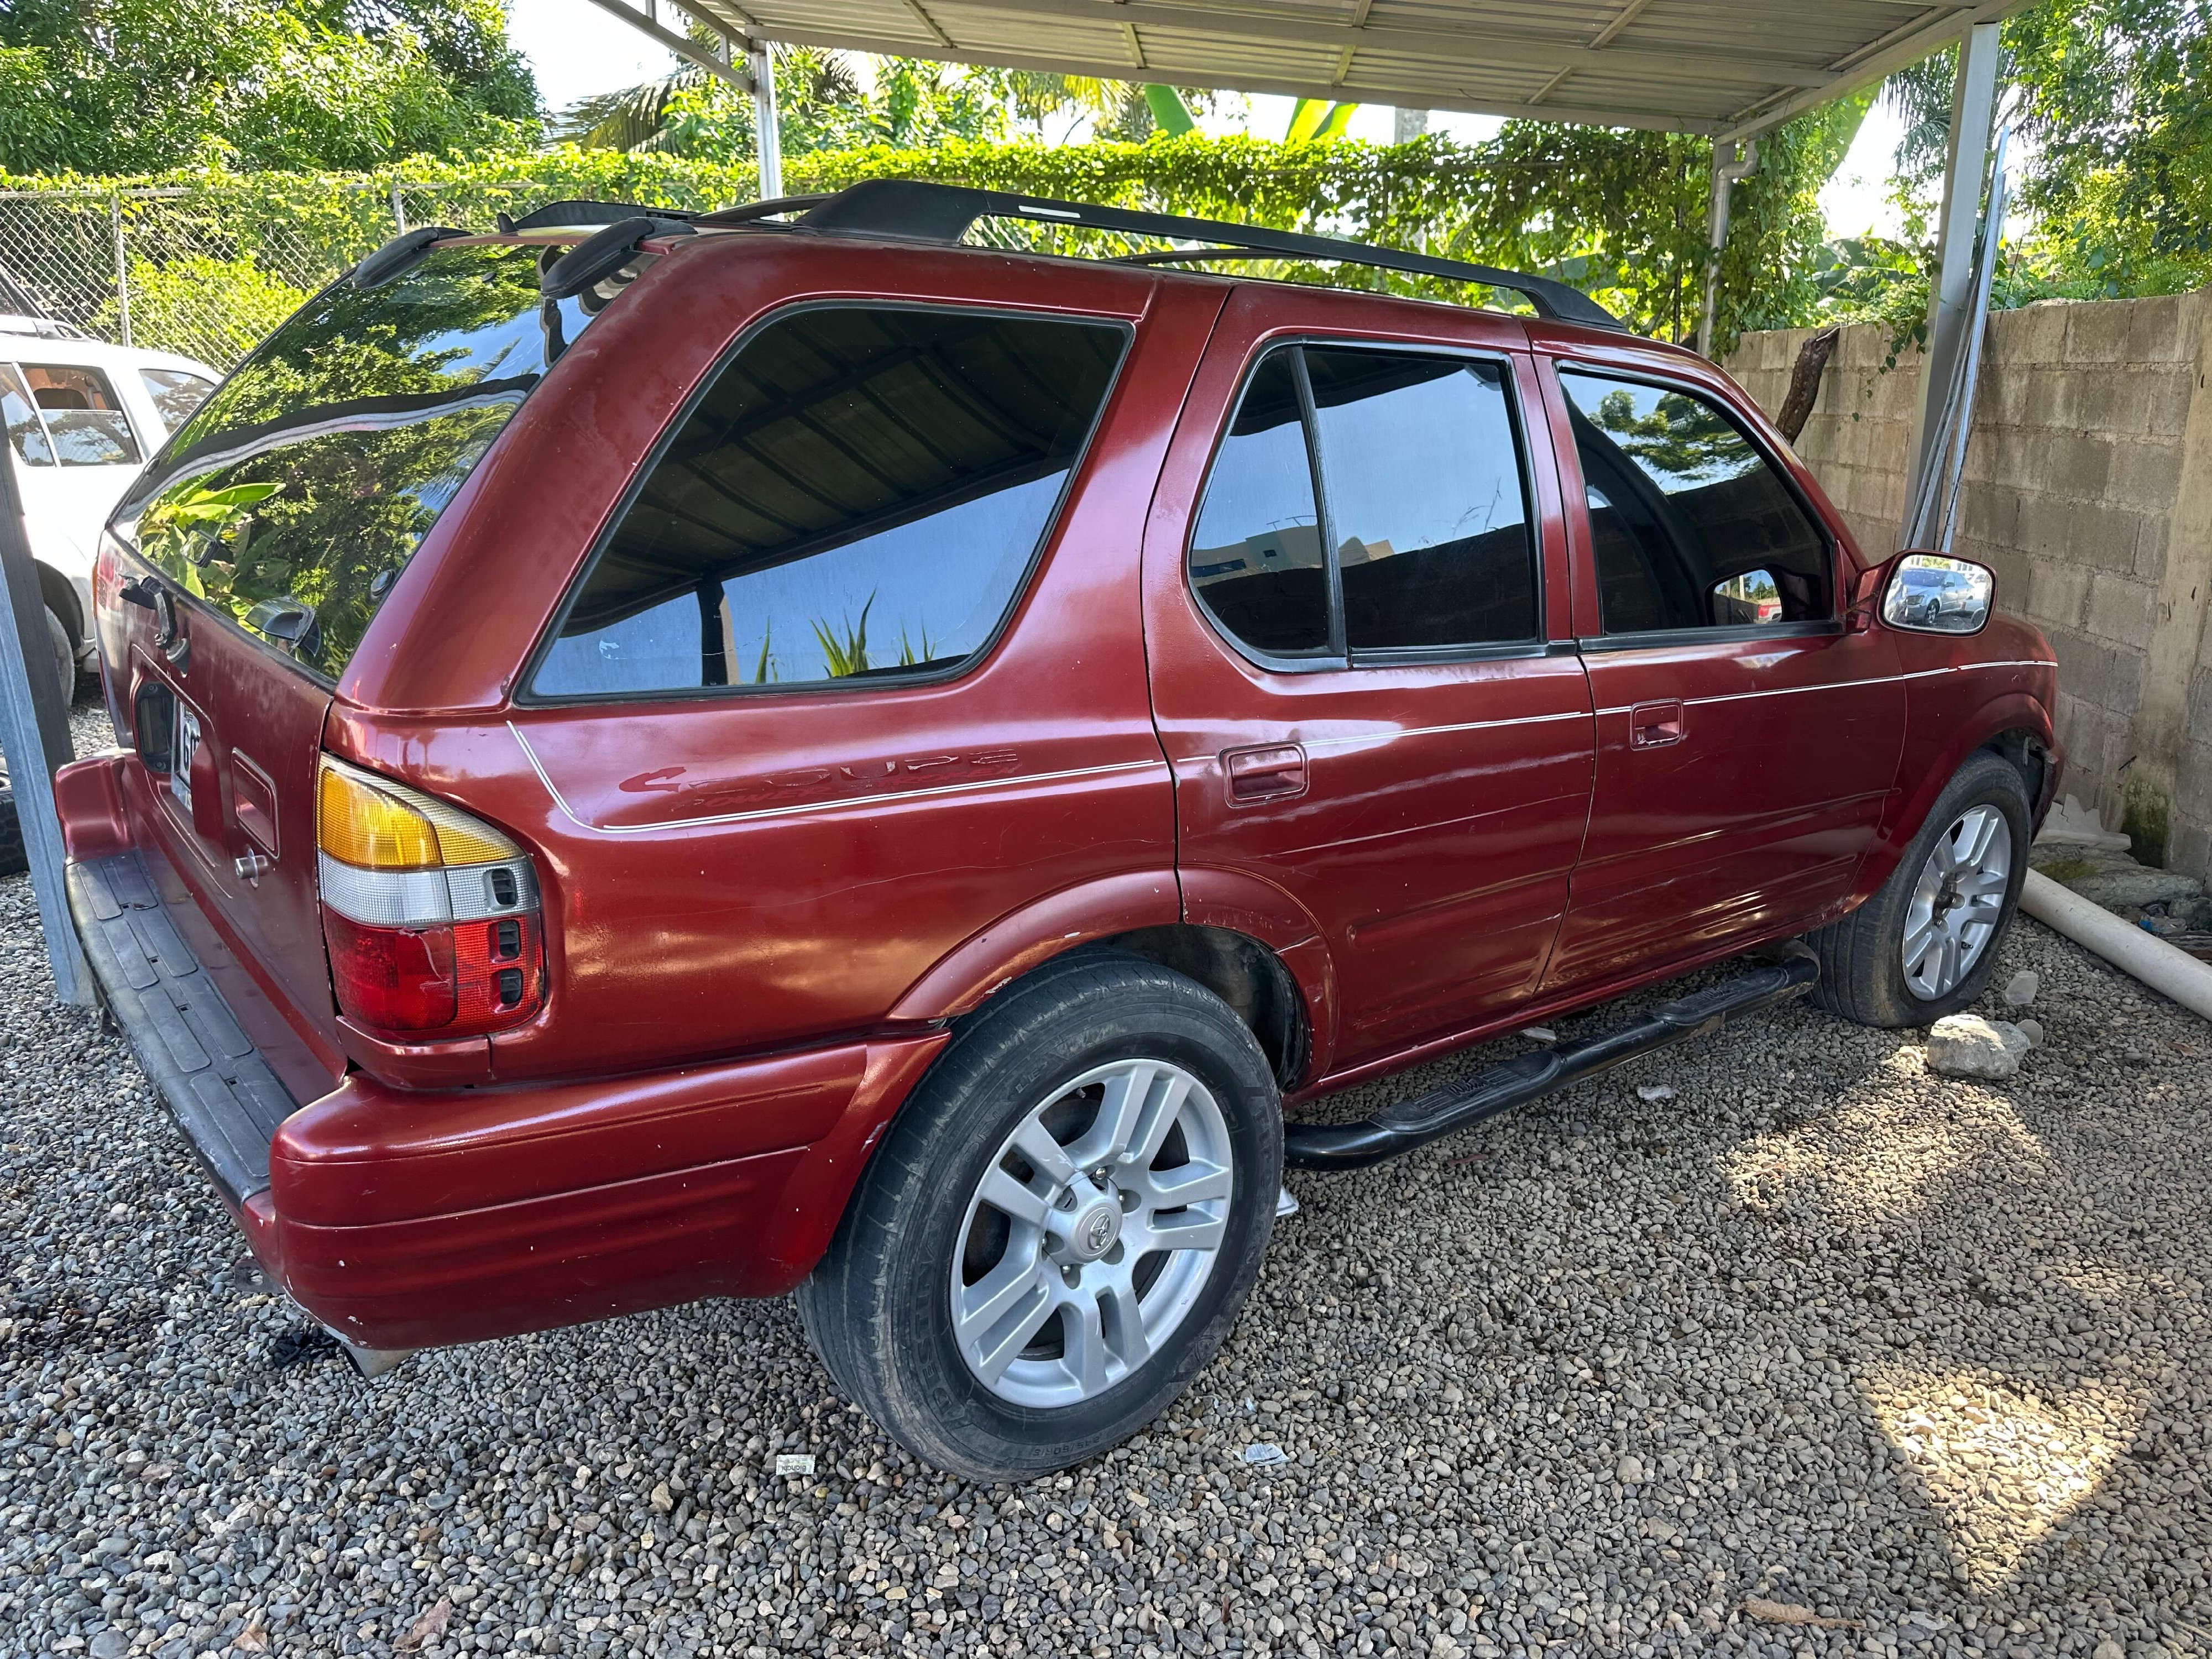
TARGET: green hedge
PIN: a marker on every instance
(1619, 214)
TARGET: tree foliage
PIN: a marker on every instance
(137, 85)
(2110, 97)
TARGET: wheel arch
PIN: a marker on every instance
(1024, 940)
(2014, 725)
(1257, 985)
(1243, 939)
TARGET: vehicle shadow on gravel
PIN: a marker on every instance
(1823, 1329)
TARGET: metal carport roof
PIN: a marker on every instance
(1729, 68)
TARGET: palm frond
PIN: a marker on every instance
(628, 118)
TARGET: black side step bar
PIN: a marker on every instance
(1512, 1083)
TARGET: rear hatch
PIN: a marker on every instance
(243, 568)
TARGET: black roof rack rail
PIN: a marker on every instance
(943, 213)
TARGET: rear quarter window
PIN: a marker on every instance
(83, 416)
(858, 494)
(310, 477)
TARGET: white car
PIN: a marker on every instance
(83, 418)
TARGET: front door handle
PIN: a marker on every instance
(1654, 725)
(1270, 771)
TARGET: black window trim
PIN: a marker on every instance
(526, 695)
(1337, 657)
(1809, 629)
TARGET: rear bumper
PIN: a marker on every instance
(406, 1219)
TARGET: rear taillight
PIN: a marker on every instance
(431, 916)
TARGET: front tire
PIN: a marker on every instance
(1926, 944)
(1061, 1225)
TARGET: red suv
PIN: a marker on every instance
(671, 757)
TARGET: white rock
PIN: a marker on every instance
(2033, 1030)
(1966, 1045)
(2020, 990)
(1631, 1470)
(2108, 1648)
(1654, 1092)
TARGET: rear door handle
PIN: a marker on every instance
(1271, 771)
(1654, 725)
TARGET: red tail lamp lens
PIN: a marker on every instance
(391, 979)
(502, 970)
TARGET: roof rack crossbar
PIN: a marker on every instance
(943, 213)
(575, 213)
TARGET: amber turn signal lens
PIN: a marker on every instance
(361, 824)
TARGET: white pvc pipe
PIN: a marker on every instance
(2162, 966)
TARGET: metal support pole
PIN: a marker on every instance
(122, 266)
(1962, 423)
(1728, 165)
(34, 733)
(398, 209)
(1950, 300)
(760, 59)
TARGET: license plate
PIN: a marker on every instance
(180, 757)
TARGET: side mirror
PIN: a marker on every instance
(1936, 594)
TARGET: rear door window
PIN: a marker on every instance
(1690, 525)
(307, 480)
(1418, 541)
(1422, 476)
(858, 494)
(84, 418)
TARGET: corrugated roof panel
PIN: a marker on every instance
(1694, 62)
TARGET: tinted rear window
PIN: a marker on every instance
(859, 492)
(311, 476)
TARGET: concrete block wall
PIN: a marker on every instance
(2088, 490)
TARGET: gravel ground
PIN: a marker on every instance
(1822, 1331)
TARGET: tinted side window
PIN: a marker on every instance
(1255, 557)
(311, 476)
(83, 416)
(1422, 476)
(27, 434)
(1691, 526)
(859, 492)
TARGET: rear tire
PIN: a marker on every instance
(1863, 969)
(1098, 1333)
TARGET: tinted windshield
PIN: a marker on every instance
(307, 480)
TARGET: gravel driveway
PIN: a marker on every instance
(1822, 1333)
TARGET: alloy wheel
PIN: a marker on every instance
(1091, 1233)
(1958, 902)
